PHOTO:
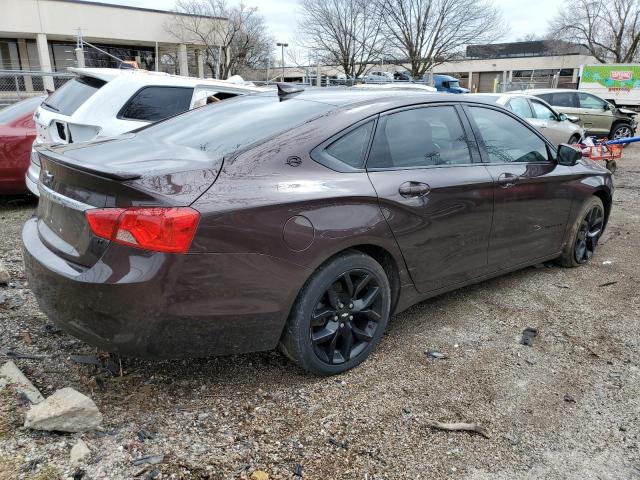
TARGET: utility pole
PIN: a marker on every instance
(282, 45)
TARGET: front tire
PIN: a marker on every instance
(574, 139)
(620, 130)
(339, 316)
(584, 234)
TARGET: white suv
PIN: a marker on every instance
(104, 102)
(378, 77)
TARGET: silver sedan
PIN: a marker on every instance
(557, 127)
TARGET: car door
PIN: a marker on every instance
(532, 192)
(595, 113)
(434, 193)
(550, 124)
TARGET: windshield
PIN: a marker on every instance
(454, 84)
(20, 109)
(68, 98)
(221, 128)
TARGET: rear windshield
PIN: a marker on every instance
(221, 128)
(20, 109)
(68, 98)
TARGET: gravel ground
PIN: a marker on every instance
(567, 407)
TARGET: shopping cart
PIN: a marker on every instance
(605, 150)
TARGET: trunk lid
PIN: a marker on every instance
(74, 179)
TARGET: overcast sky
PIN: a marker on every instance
(281, 15)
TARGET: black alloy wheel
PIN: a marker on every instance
(588, 234)
(346, 317)
(339, 316)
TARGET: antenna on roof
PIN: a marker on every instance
(286, 89)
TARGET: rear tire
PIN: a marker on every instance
(582, 238)
(339, 316)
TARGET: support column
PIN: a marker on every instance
(183, 63)
(24, 63)
(45, 60)
(200, 62)
(470, 83)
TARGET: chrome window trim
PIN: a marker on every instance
(62, 200)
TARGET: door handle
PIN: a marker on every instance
(507, 180)
(414, 189)
(543, 125)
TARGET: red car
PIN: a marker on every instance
(17, 132)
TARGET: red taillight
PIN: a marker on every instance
(161, 229)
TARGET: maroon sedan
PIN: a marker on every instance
(17, 132)
(299, 220)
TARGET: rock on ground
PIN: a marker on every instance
(4, 275)
(79, 452)
(15, 377)
(67, 410)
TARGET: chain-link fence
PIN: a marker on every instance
(16, 85)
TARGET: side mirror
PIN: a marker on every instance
(567, 155)
(562, 117)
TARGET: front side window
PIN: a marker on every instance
(151, 104)
(520, 106)
(542, 111)
(590, 102)
(420, 137)
(68, 98)
(352, 147)
(506, 140)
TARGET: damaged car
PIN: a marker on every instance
(299, 220)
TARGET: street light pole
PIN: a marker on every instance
(282, 45)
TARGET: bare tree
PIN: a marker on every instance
(426, 33)
(610, 29)
(233, 37)
(342, 32)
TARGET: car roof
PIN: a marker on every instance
(533, 91)
(348, 96)
(144, 77)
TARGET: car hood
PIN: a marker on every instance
(626, 111)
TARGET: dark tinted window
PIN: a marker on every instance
(152, 104)
(505, 139)
(221, 128)
(520, 106)
(352, 147)
(420, 137)
(20, 109)
(68, 98)
(542, 111)
(561, 99)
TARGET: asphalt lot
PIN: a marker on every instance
(567, 407)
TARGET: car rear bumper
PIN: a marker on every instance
(156, 305)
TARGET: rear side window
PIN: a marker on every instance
(561, 99)
(352, 147)
(590, 102)
(505, 140)
(68, 98)
(421, 137)
(520, 106)
(151, 104)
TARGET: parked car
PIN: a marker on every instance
(377, 76)
(598, 117)
(103, 102)
(17, 132)
(299, 219)
(445, 83)
(557, 127)
(402, 76)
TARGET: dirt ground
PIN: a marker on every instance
(567, 407)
